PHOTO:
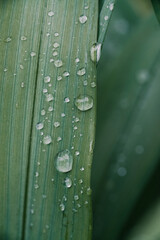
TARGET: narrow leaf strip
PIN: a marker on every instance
(105, 16)
(156, 6)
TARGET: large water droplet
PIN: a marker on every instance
(68, 182)
(64, 161)
(84, 102)
(95, 52)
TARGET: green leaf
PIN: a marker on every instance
(156, 6)
(33, 193)
(105, 15)
(128, 144)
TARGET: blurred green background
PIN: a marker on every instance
(125, 171)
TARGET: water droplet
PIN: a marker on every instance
(8, 39)
(84, 103)
(48, 34)
(55, 53)
(95, 52)
(58, 63)
(32, 211)
(76, 197)
(56, 34)
(59, 78)
(36, 174)
(45, 90)
(21, 66)
(82, 169)
(63, 114)
(83, 19)
(66, 74)
(22, 84)
(89, 191)
(77, 153)
(67, 100)
(62, 207)
(50, 109)
(59, 139)
(80, 181)
(39, 126)
(81, 72)
(64, 161)
(23, 38)
(106, 18)
(43, 112)
(111, 6)
(68, 182)
(77, 60)
(122, 171)
(47, 79)
(36, 186)
(33, 54)
(93, 84)
(49, 97)
(55, 45)
(50, 13)
(47, 140)
(56, 124)
(5, 70)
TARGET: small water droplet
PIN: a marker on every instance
(23, 38)
(77, 153)
(68, 182)
(50, 13)
(49, 97)
(83, 19)
(67, 100)
(47, 79)
(89, 191)
(64, 161)
(62, 207)
(33, 54)
(95, 52)
(59, 139)
(43, 112)
(55, 53)
(58, 63)
(47, 140)
(82, 169)
(45, 90)
(76, 197)
(59, 78)
(84, 103)
(106, 18)
(8, 39)
(93, 84)
(39, 126)
(81, 72)
(66, 74)
(36, 186)
(21, 66)
(111, 6)
(56, 45)
(50, 109)
(77, 60)
(22, 84)
(56, 34)
(63, 114)
(56, 124)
